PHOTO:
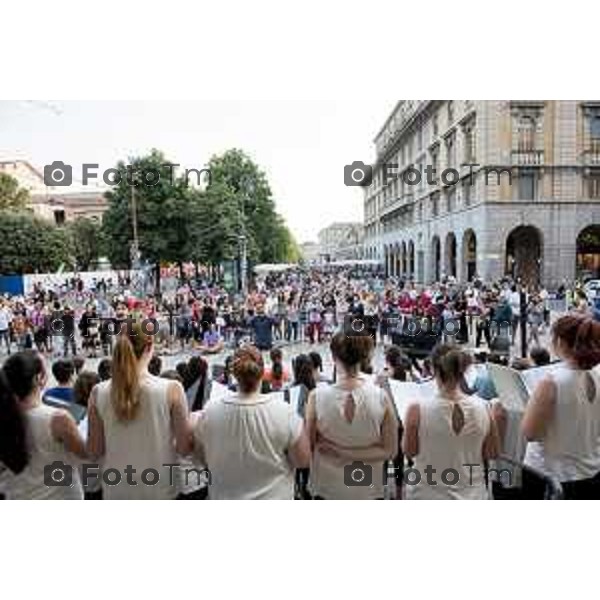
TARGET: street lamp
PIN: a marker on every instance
(135, 245)
(247, 189)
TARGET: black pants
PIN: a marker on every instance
(584, 489)
(201, 494)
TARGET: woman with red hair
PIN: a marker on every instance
(562, 419)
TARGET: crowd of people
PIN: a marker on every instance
(255, 425)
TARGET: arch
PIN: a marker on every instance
(524, 254)
(588, 253)
(469, 255)
(450, 252)
(436, 258)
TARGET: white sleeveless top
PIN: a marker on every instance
(245, 440)
(442, 449)
(146, 442)
(327, 475)
(44, 451)
(571, 448)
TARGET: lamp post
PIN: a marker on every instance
(523, 319)
(247, 188)
(135, 246)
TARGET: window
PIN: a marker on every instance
(450, 199)
(420, 139)
(435, 205)
(593, 184)
(595, 127)
(466, 189)
(527, 185)
(594, 130)
(59, 217)
(450, 151)
(450, 112)
(434, 125)
(469, 143)
(434, 164)
(526, 134)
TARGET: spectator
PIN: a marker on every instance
(78, 363)
(155, 366)
(63, 371)
(539, 356)
(104, 369)
(262, 329)
(277, 376)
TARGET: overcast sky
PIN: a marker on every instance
(301, 145)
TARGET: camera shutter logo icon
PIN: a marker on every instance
(358, 174)
(58, 174)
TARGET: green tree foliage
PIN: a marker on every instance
(29, 244)
(12, 197)
(240, 182)
(85, 236)
(163, 213)
(177, 223)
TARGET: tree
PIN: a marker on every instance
(29, 244)
(11, 195)
(86, 241)
(245, 186)
(163, 213)
(213, 231)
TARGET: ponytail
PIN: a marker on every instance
(18, 379)
(14, 453)
(125, 380)
(277, 368)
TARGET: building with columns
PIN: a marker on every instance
(520, 193)
(342, 241)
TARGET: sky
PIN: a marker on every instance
(302, 146)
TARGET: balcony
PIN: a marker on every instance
(591, 155)
(529, 158)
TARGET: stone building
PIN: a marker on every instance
(506, 187)
(342, 241)
(56, 204)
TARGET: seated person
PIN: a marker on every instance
(211, 341)
(539, 357)
(63, 371)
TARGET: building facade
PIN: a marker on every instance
(342, 241)
(56, 204)
(505, 187)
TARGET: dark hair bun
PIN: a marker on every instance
(248, 368)
(450, 363)
(351, 350)
(579, 334)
